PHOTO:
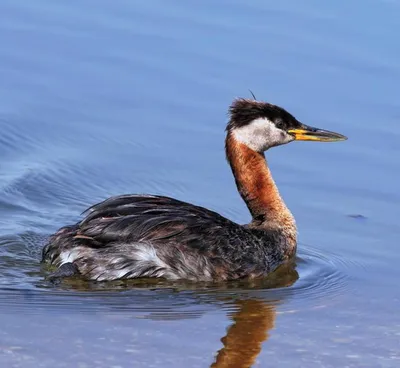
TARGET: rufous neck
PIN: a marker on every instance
(256, 185)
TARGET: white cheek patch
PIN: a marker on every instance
(261, 134)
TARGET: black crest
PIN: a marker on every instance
(244, 111)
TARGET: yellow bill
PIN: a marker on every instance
(307, 133)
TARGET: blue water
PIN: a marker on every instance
(100, 98)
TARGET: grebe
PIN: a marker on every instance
(134, 236)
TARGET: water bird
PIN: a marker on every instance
(152, 236)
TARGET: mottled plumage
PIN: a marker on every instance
(153, 236)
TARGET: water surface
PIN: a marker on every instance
(101, 98)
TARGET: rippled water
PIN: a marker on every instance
(101, 98)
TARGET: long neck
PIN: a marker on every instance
(257, 187)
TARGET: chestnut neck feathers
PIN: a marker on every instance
(249, 166)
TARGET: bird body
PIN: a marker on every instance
(153, 236)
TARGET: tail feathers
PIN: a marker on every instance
(57, 242)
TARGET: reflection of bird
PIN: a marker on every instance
(244, 338)
(133, 236)
(252, 322)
